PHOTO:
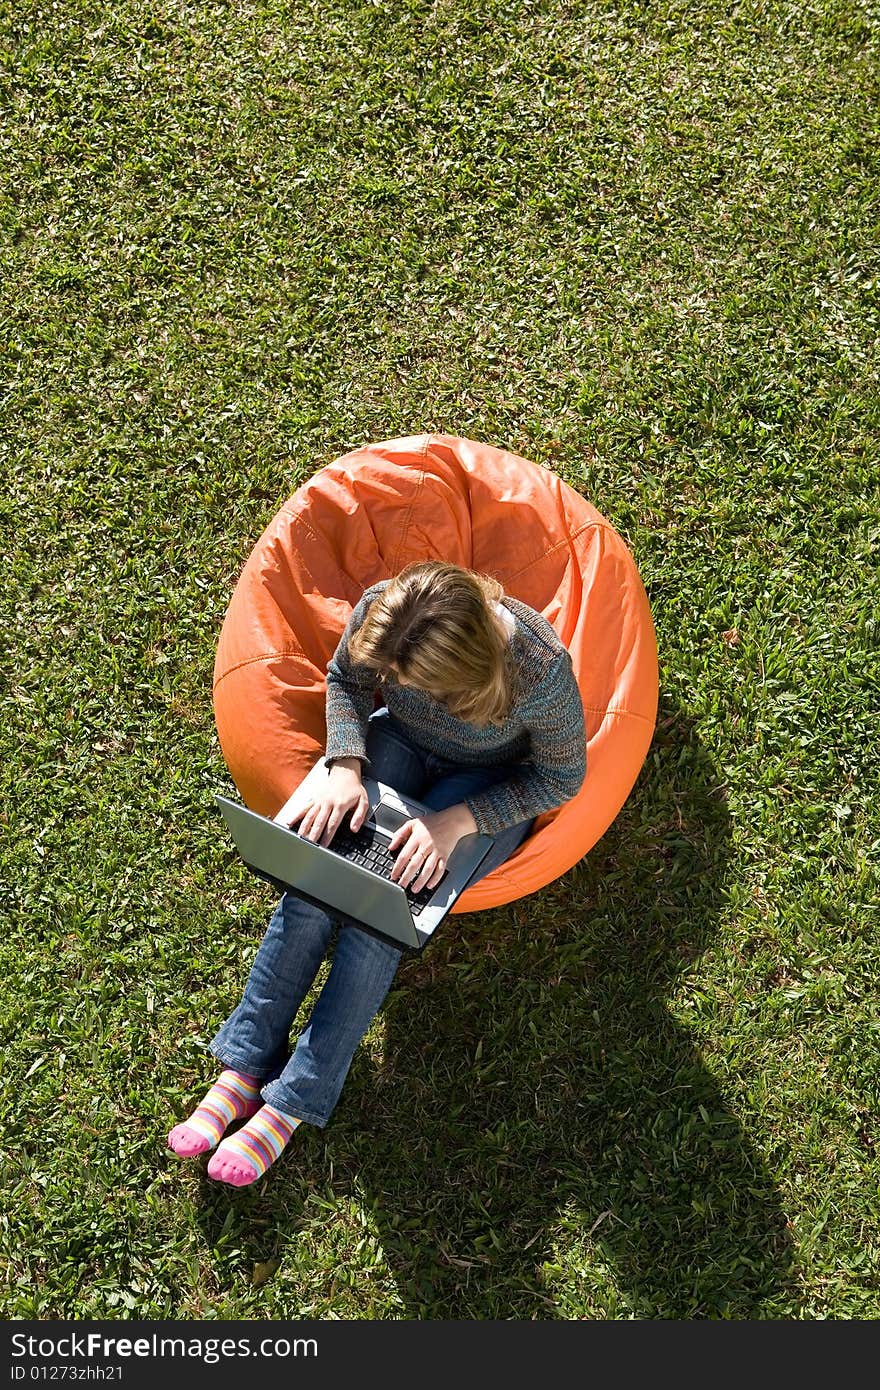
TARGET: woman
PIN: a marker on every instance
(483, 723)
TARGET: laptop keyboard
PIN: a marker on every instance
(370, 850)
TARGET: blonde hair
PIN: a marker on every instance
(434, 626)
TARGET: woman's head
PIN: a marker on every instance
(434, 626)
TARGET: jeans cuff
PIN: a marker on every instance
(237, 1061)
(276, 1095)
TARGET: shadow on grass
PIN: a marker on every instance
(541, 1137)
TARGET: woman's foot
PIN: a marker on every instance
(246, 1155)
(234, 1096)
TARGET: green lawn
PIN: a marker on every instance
(638, 243)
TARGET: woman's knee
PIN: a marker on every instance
(299, 922)
(373, 961)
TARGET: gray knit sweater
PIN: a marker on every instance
(543, 735)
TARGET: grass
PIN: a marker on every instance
(637, 243)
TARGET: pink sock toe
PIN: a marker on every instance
(233, 1171)
(234, 1096)
(187, 1142)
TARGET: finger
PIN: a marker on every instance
(404, 859)
(400, 835)
(413, 866)
(296, 815)
(332, 823)
(427, 870)
(360, 812)
(424, 866)
(438, 872)
(319, 820)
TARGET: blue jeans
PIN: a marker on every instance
(254, 1039)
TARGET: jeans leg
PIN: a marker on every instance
(254, 1037)
(363, 968)
(360, 977)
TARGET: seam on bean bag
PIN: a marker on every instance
(406, 523)
(265, 656)
(566, 540)
(628, 713)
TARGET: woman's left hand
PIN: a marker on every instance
(427, 842)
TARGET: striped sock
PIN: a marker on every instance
(234, 1096)
(245, 1156)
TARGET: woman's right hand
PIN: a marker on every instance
(320, 818)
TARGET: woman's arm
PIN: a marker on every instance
(557, 763)
(350, 690)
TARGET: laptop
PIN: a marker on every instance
(349, 877)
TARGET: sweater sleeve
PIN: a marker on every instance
(556, 766)
(350, 690)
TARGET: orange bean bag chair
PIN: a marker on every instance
(434, 496)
